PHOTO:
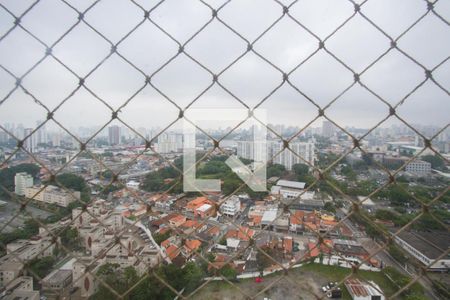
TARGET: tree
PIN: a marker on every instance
(30, 228)
(398, 196)
(228, 272)
(300, 169)
(275, 170)
(329, 206)
(159, 238)
(70, 238)
(436, 161)
(263, 261)
(153, 182)
(76, 183)
(348, 172)
(7, 176)
(41, 266)
(192, 276)
(116, 277)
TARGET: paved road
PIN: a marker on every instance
(11, 209)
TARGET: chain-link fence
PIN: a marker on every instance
(113, 254)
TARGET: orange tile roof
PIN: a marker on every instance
(163, 230)
(313, 250)
(288, 243)
(329, 223)
(172, 251)
(257, 220)
(177, 219)
(242, 234)
(197, 202)
(297, 217)
(192, 245)
(165, 243)
(310, 226)
(221, 257)
(191, 223)
(214, 230)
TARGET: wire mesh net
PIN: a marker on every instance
(163, 248)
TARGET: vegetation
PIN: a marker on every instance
(187, 278)
(41, 267)
(75, 182)
(397, 254)
(436, 161)
(70, 238)
(275, 170)
(159, 238)
(425, 222)
(329, 206)
(214, 168)
(228, 272)
(262, 261)
(389, 279)
(302, 173)
(400, 280)
(7, 177)
(154, 181)
(30, 228)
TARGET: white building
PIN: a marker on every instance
(133, 184)
(427, 247)
(52, 195)
(21, 182)
(20, 288)
(170, 142)
(359, 290)
(418, 167)
(231, 206)
(298, 153)
(288, 189)
(254, 150)
(262, 151)
(9, 270)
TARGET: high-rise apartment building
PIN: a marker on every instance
(170, 142)
(327, 129)
(256, 151)
(299, 153)
(41, 134)
(114, 135)
(22, 181)
(29, 142)
(264, 151)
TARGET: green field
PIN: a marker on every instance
(300, 283)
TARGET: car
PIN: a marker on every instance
(332, 284)
(325, 288)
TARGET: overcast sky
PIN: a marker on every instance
(251, 79)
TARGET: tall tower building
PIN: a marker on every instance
(41, 134)
(288, 158)
(254, 150)
(327, 129)
(29, 142)
(114, 135)
(21, 182)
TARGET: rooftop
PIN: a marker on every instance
(57, 276)
(357, 288)
(291, 184)
(431, 244)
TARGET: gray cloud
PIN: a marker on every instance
(287, 44)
